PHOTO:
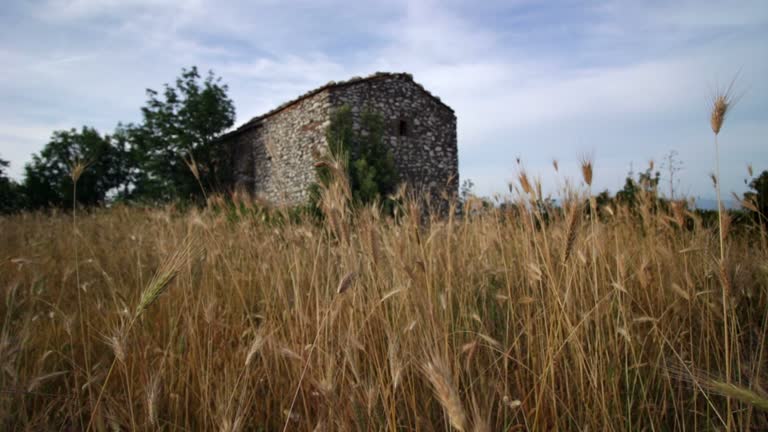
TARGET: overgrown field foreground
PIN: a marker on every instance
(217, 320)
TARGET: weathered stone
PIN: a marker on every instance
(273, 155)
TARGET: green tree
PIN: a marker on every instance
(11, 195)
(467, 190)
(373, 171)
(129, 157)
(48, 179)
(758, 193)
(180, 127)
(647, 182)
(370, 165)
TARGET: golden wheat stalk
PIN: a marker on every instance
(740, 393)
(722, 102)
(437, 374)
(258, 342)
(706, 382)
(525, 183)
(157, 285)
(586, 164)
(346, 282)
(167, 273)
(571, 229)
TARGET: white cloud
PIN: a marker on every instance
(25, 137)
(72, 10)
(623, 79)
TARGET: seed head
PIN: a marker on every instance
(719, 110)
(256, 345)
(117, 343)
(446, 393)
(153, 395)
(586, 169)
(76, 169)
(722, 102)
(525, 183)
(346, 282)
(192, 165)
(167, 272)
(570, 235)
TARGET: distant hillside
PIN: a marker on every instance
(711, 204)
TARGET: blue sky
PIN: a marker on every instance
(624, 81)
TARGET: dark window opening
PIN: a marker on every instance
(402, 129)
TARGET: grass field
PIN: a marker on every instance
(239, 318)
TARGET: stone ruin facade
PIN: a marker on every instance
(273, 155)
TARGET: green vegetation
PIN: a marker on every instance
(47, 179)
(11, 196)
(756, 199)
(175, 149)
(362, 155)
(170, 156)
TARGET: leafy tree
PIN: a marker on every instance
(373, 175)
(11, 195)
(370, 165)
(603, 198)
(48, 179)
(647, 183)
(467, 190)
(179, 129)
(124, 140)
(758, 194)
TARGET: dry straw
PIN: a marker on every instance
(437, 374)
(167, 273)
(704, 381)
(153, 396)
(570, 234)
(258, 342)
(740, 393)
(525, 182)
(117, 344)
(722, 103)
(77, 168)
(586, 164)
(346, 282)
(157, 286)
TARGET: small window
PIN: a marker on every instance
(402, 128)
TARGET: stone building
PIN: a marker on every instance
(273, 154)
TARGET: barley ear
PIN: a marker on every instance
(446, 393)
(587, 165)
(525, 183)
(167, 273)
(722, 102)
(741, 393)
(570, 235)
(346, 282)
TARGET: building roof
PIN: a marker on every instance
(256, 121)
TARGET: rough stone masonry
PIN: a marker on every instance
(273, 154)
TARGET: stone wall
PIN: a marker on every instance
(273, 154)
(420, 132)
(280, 166)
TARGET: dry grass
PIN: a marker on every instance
(500, 321)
